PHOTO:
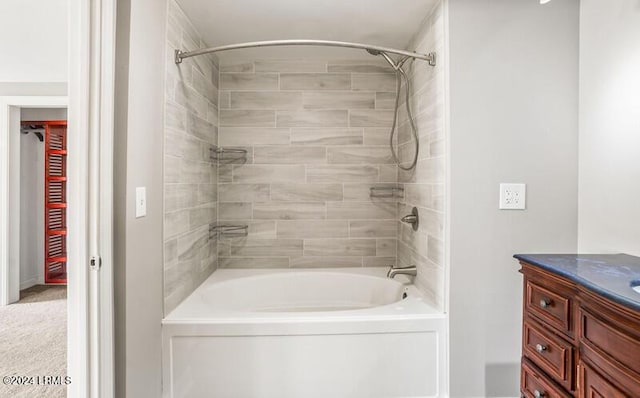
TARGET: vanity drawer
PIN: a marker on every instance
(610, 342)
(535, 385)
(551, 307)
(549, 352)
(592, 385)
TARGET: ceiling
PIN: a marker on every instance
(388, 23)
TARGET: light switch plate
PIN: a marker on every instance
(513, 196)
(141, 202)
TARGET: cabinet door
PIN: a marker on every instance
(592, 385)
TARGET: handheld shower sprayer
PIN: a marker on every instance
(400, 75)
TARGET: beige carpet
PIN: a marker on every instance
(33, 341)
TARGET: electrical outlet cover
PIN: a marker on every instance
(513, 196)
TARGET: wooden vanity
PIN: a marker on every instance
(581, 326)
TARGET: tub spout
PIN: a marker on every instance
(393, 271)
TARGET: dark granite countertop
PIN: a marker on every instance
(611, 275)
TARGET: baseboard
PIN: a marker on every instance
(28, 283)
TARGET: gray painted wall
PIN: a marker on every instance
(138, 162)
(609, 217)
(513, 93)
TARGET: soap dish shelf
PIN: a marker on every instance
(217, 153)
(228, 231)
(386, 192)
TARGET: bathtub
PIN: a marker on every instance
(320, 333)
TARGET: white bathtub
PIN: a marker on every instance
(321, 333)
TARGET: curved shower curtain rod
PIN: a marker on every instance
(374, 50)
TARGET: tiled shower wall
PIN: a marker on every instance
(424, 187)
(190, 178)
(316, 135)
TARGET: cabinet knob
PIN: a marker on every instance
(541, 348)
(544, 303)
(539, 394)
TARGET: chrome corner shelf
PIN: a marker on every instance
(228, 231)
(386, 192)
(217, 153)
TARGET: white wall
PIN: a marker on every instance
(31, 209)
(42, 114)
(34, 40)
(513, 91)
(609, 215)
(140, 58)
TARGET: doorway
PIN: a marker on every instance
(34, 324)
(43, 199)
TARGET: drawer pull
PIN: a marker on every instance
(541, 348)
(544, 303)
(539, 394)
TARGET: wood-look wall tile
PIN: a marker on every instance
(315, 81)
(372, 229)
(419, 195)
(247, 118)
(342, 174)
(202, 129)
(224, 99)
(225, 173)
(195, 172)
(354, 192)
(256, 229)
(435, 250)
(315, 118)
(289, 211)
(207, 193)
(244, 136)
(234, 210)
(325, 262)
(291, 65)
(176, 223)
(248, 81)
(388, 173)
(268, 173)
(266, 100)
(306, 192)
(374, 81)
(237, 67)
(205, 86)
(385, 100)
(338, 100)
(175, 116)
(370, 118)
(200, 216)
(357, 66)
(361, 210)
(386, 247)
(377, 135)
(339, 247)
(171, 169)
(192, 100)
(316, 229)
(266, 247)
(254, 262)
(243, 192)
(359, 155)
(289, 155)
(180, 196)
(379, 261)
(326, 136)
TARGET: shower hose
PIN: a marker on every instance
(400, 76)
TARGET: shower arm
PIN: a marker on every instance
(375, 50)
